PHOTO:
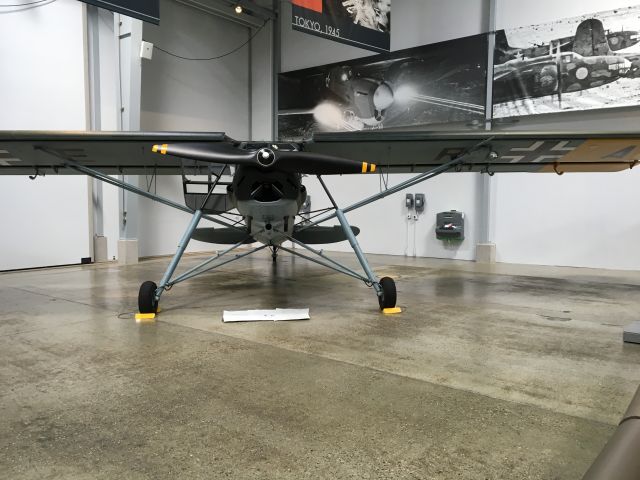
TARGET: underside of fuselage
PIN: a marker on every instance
(268, 201)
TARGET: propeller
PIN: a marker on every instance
(266, 158)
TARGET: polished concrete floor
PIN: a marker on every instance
(491, 372)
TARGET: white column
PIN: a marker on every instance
(129, 37)
(96, 201)
(485, 248)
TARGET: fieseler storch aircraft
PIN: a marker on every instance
(262, 203)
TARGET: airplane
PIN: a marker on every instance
(263, 201)
(591, 63)
(505, 52)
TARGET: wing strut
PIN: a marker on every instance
(385, 287)
(69, 163)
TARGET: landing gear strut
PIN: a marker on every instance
(385, 287)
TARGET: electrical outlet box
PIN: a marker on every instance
(450, 225)
(419, 202)
(408, 201)
(146, 50)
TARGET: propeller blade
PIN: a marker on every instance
(316, 164)
(266, 158)
(213, 152)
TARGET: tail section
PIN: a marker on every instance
(590, 39)
(502, 43)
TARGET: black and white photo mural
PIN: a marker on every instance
(361, 23)
(438, 83)
(579, 63)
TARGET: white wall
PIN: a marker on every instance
(384, 225)
(185, 95)
(42, 87)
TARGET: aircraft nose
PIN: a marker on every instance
(383, 97)
(266, 157)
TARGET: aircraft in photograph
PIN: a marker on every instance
(505, 52)
(359, 98)
(355, 99)
(438, 83)
(263, 200)
(363, 99)
(590, 64)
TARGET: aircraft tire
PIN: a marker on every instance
(389, 295)
(147, 302)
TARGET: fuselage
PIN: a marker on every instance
(567, 72)
(269, 200)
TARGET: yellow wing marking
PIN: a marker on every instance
(160, 148)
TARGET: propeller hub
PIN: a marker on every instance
(266, 157)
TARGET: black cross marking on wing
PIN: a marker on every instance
(6, 159)
(541, 151)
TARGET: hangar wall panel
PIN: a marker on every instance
(262, 84)
(183, 95)
(42, 86)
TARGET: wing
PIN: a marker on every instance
(559, 152)
(110, 152)
(165, 152)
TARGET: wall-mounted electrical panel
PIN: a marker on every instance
(408, 201)
(419, 202)
(450, 225)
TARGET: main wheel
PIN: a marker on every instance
(147, 302)
(388, 297)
